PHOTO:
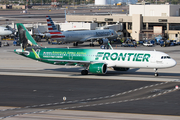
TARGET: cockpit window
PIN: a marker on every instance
(165, 57)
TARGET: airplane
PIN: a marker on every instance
(95, 61)
(5, 31)
(81, 36)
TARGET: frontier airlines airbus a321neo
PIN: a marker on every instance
(95, 61)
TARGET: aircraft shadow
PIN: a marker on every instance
(133, 71)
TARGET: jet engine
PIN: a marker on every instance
(98, 68)
(103, 41)
(120, 69)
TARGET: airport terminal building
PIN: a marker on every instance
(142, 22)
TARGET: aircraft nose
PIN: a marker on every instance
(9, 32)
(173, 63)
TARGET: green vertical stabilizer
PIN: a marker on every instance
(24, 37)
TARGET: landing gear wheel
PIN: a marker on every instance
(91, 45)
(74, 44)
(84, 72)
(156, 74)
(100, 42)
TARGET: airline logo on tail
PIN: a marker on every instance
(36, 55)
(51, 27)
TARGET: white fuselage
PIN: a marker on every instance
(135, 59)
(82, 36)
(4, 31)
(112, 58)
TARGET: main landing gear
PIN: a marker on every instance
(84, 72)
(156, 73)
(91, 44)
(75, 44)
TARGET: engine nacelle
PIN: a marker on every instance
(98, 68)
(120, 69)
(103, 41)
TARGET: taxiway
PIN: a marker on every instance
(34, 90)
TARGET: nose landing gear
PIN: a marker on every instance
(91, 44)
(75, 44)
(156, 73)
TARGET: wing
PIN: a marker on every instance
(74, 62)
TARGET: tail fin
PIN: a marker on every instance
(51, 27)
(24, 36)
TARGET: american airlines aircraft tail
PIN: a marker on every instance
(51, 27)
(95, 61)
(102, 36)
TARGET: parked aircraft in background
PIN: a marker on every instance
(95, 60)
(102, 36)
(5, 31)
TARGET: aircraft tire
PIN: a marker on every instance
(74, 44)
(156, 74)
(84, 72)
(100, 42)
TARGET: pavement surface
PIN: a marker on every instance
(58, 15)
(28, 95)
(33, 90)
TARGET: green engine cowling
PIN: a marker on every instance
(98, 68)
(120, 69)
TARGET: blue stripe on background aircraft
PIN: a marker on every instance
(95, 61)
(78, 37)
